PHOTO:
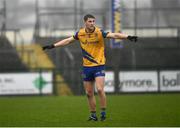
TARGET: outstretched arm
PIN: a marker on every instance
(59, 43)
(121, 36)
(117, 35)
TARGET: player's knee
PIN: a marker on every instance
(100, 90)
(89, 93)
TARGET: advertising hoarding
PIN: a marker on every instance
(138, 81)
(169, 80)
(25, 83)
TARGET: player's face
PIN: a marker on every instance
(90, 23)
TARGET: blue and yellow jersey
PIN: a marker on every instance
(93, 47)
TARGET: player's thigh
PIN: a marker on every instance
(89, 86)
(100, 82)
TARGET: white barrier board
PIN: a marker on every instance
(25, 83)
(170, 80)
(138, 81)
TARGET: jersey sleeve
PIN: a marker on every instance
(104, 33)
(75, 36)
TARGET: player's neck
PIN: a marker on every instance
(90, 30)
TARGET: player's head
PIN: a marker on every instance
(89, 21)
(88, 16)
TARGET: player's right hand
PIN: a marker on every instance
(48, 47)
(132, 38)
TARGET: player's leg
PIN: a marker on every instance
(89, 88)
(102, 96)
(100, 89)
(88, 85)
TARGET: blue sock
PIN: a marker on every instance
(103, 111)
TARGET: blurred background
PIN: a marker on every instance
(150, 65)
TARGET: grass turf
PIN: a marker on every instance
(123, 110)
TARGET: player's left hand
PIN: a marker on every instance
(132, 38)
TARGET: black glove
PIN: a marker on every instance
(132, 38)
(48, 47)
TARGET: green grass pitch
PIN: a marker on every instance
(123, 110)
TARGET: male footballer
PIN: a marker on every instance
(91, 40)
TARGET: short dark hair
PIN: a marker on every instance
(88, 16)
